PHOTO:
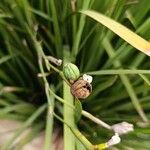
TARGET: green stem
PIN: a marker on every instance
(61, 100)
(77, 133)
(69, 131)
(59, 72)
(49, 120)
(84, 113)
(82, 138)
(96, 120)
(69, 139)
(50, 99)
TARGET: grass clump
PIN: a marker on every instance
(31, 85)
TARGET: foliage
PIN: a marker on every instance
(120, 91)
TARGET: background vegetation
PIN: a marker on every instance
(117, 96)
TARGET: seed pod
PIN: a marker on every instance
(81, 88)
(71, 72)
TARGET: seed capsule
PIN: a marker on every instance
(81, 88)
(71, 72)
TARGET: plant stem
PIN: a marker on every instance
(49, 120)
(56, 70)
(84, 113)
(50, 99)
(77, 133)
(69, 139)
(96, 120)
(82, 138)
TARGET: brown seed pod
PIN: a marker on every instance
(81, 88)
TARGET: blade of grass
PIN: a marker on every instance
(78, 36)
(14, 116)
(120, 96)
(145, 79)
(144, 28)
(122, 31)
(58, 40)
(41, 14)
(5, 58)
(119, 71)
(69, 138)
(23, 108)
(125, 81)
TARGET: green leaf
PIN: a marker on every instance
(122, 31)
(5, 58)
(145, 79)
(41, 14)
(119, 71)
(78, 110)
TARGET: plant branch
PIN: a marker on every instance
(96, 120)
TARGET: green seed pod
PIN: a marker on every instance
(71, 71)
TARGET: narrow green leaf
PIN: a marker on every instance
(119, 71)
(122, 31)
(69, 138)
(78, 35)
(41, 14)
(5, 58)
(78, 110)
(145, 79)
(126, 82)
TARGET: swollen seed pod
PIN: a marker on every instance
(82, 88)
(71, 72)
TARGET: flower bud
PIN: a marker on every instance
(71, 71)
(87, 78)
(114, 140)
(123, 128)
